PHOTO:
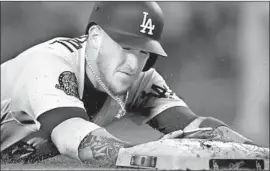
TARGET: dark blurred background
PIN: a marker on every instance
(218, 52)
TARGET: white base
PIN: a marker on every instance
(191, 154)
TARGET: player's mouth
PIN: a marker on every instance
(127, 73)
(127, 70)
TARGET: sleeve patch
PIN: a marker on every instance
(68, 83)
(159, 92)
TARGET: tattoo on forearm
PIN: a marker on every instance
(103, 148)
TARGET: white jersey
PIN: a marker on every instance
(51, 75)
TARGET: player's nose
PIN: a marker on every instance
(131, 60)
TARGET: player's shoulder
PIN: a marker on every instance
(58, 49)
(35, 55)
(67, 44)
(151, 75)
(63, 45)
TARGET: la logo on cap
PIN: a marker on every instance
(147, 24)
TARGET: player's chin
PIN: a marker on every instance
(120, 88)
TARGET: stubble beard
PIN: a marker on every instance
(112, 88)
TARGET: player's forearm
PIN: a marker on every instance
(101, 146)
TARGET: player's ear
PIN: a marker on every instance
(95, 36)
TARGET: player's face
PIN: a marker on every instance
(119, 66)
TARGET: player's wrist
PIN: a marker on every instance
(100, 146)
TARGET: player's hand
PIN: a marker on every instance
(222, 133)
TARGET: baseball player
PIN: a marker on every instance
(58, 96)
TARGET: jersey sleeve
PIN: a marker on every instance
(51, 84)
(153, 96)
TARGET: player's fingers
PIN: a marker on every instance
(37, 141)
(175, 134)
(201, 133)
(249, 142)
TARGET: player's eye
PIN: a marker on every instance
(144, 52)
(126, 48)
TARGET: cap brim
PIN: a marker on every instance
(137, 42)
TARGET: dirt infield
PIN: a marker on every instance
(58, 163)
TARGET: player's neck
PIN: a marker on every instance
(92, 78)
(90, 67)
